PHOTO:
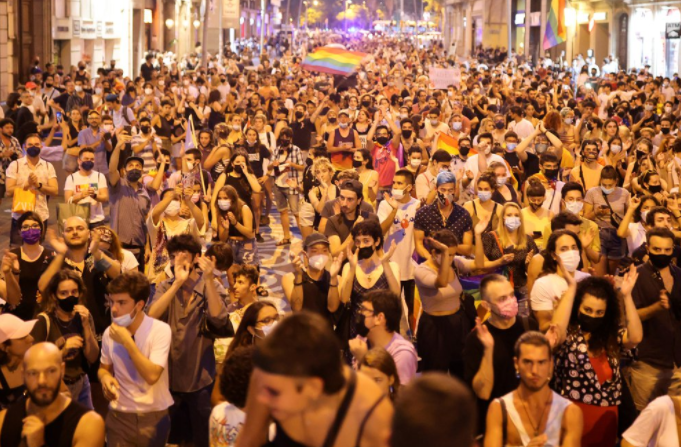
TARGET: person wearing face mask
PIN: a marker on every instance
(656, 298)
(31, 173)
(475, 165)
(79, 99)
(448, 315)
(426, 190)
(649, 182)
(594, 318)
(606, 205)
(191, 297)
(23, 266)
(368, 268)
(175, 214)
(342, 140)
(146, 144)
(488, 350)
(378, 326)
(94, 137)
(633, 226)
(444, 213)
(553, 281)
(10, 150)
(647, 118)
(134, 366)
(314, 283)
(507, 249)
(88, 187)
(407, 139)
(130, 201)
(483, 207)
(65, 320)
(415, 164)
(519, 124)
(303, 126)
(549, 177)
(233, 223)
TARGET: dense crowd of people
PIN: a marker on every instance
(494, 262)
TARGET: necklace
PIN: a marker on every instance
(527, 413)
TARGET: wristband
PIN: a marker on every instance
(103, 265)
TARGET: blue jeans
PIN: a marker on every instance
(189, 417)
(80, 392)
(244, 252)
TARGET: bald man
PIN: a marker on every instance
(46, 417)
(79, 250)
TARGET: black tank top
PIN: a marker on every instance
(166, 129)
(9, 395)
(315, 295)
(58, 433)
(283, 440)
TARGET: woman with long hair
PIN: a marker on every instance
(71, 125)
(368, 177)
(108, 240)
(504, 191)
(591, 326)
(633, 226)
(509, 248)
(553, 281)
(66, 322)
(29, 262)
(259, 159)
(379, 365)
(483, 207)
(233, 223)
(566, 130)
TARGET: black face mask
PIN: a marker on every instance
(365, 253)
(588, 323)
(382, 140)
(499, 125)
(360, 327)
(660, 261)
(49, 85)
(407, 133)
(464, 150)
(332, 120)
(68, 303)
(299, 115)
(238, 169)
(145, 129)
(640, 154)
(366, 103)
(284, 142)
(551, 173)
(665, 130)
(655, 188)
(356, 163)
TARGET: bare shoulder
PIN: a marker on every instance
(90, 431)
(376, 430)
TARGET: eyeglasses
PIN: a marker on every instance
(366, 311)
(269, 320)
(30, 227)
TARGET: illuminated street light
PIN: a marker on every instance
(170, 23)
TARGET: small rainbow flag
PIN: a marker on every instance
(332, 60)
(556, 32)
(451, 145)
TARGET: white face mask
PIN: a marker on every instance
(644, 215)
(318, 262)
(124, 320)
(148, 91)
(570, 260)
(415, 163)
(108, 128)
(98, 91)
(267, 330)
(161, 83)
(173, 209)
(190, 165)
(397, 193)
(224, 205)
(79, 88)
(574, 207)
(185, 82)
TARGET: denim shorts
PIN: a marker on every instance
(612, 246)
(244, 252)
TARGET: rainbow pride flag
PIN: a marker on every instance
(332, 60)
(556, 31)
(450, 144)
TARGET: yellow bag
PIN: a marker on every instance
(24, 200)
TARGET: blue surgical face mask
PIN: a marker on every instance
(512, 223)
(484, 196)
(607, 191)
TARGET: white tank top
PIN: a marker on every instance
(553, 423)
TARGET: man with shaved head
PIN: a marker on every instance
(79, 250)
(45, 417)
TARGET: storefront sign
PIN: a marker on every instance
(88, 29)
(109, 30)
(76, 28)
(440, 78)
(673, 30)
(62, 29)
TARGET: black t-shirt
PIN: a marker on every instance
(62, 100)
(316, 295)
(241, 185)
(256, 156)
(28, 282)
(302, 133)
(59, 332)
(531, 165)
(505, 378)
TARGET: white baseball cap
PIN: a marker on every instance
(14, 328)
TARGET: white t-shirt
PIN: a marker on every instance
(135, 394)
(402, 232)
(655, 426)
(224, 425)
(547, 290)
(637, 236)
(523, 128)
(129, 262)
(77, 182)
(472, 165)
